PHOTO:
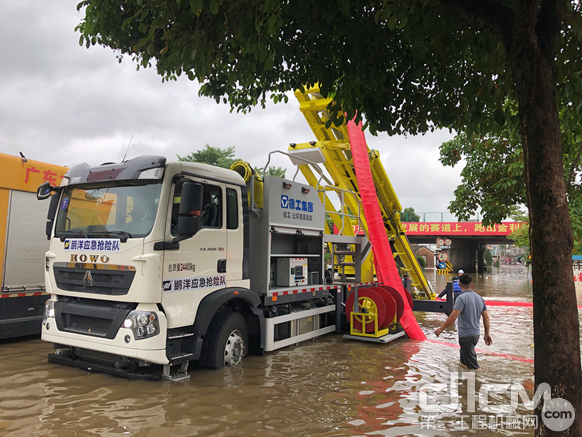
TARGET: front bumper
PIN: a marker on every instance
(149, 350)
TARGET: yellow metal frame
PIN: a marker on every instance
(377, 333)
(334, 144)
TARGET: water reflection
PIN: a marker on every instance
(511, 283)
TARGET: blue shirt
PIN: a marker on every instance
(471, 306)
(457, 290)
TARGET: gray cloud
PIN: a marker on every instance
(64, 104)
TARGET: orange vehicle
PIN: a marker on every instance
(23, 243)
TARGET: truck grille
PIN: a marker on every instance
(94, 278)
(91, 317)
(88, 325)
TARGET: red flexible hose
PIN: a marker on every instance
(505, 303)
(377, 232)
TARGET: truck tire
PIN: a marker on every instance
(226, 342)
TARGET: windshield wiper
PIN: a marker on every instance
(124, 235)
(63, 234)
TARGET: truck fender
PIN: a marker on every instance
(213, 302)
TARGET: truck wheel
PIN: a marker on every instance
(226, 342)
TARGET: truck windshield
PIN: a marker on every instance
(116, 211)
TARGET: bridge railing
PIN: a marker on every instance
(439, 216)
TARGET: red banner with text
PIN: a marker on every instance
(464, 228)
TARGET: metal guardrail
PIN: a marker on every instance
(438, 216)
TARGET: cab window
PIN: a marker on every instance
(231, 209)
(211, 214)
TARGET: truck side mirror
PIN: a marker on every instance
(190, 209)
(43, 191)
(52, 212)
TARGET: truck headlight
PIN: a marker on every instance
(49, 310)
(143, 324)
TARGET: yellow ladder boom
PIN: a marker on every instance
(332, 149)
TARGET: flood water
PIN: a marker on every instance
(329, 387)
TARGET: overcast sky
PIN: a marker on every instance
(64, 104)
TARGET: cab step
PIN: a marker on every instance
(174, 374)
(179, 356)
(176, 335)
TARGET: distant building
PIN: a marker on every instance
(514, 251)
(424, 252)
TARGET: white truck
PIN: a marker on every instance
(155, 262)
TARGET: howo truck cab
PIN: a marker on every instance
(163, 263)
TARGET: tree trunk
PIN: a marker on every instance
(556, 325)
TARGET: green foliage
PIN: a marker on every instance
(408, 215)
(225, 158)
(421, 261)
(212, 156)
(492, 179)
(520, 237)
(272, 171)
(488, 258)
(497, 263)
(576, 217)
(329, 222)
(493, 176)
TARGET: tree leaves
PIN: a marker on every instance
(499, 117)
(212, 156)
(196, 6)
(392, 22)
(493, 176)
(408, 215)
(270, 62)
(213, 7)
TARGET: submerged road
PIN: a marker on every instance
(330, 387)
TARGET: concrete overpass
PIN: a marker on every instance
(469, 240)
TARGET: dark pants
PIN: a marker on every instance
(468, 355)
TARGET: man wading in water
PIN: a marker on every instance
(469, 307)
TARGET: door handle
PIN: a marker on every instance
(221, 267)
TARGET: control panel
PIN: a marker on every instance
(291, 272)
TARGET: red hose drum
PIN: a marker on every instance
(397, 298)
(391, 306)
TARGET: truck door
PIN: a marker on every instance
(197, 268)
